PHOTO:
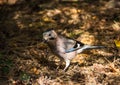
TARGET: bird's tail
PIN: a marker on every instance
(85, 47)
(93, 47)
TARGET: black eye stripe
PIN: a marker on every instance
(52, 38)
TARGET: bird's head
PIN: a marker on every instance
(49, 35)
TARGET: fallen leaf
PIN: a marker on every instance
(117, 43)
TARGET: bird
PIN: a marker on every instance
(65, 48)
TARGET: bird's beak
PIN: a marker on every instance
(44, 41)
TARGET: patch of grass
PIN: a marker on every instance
(24, 76)
(5, 64)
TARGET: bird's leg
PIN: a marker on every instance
(67, 63)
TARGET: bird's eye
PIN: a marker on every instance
(49, 35)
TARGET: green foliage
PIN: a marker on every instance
(5, 64)
(75, 34)
(24, 76)
(5, 69)
(72, 34)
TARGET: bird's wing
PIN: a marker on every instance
(77, 45)
(71, 45)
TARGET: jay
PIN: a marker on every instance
(65, 48)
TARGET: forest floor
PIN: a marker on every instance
(26, 60)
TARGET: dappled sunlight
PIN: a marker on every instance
(116, 26)
(80, 59)
(26, 59)
(87, 38)
(102, 52)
